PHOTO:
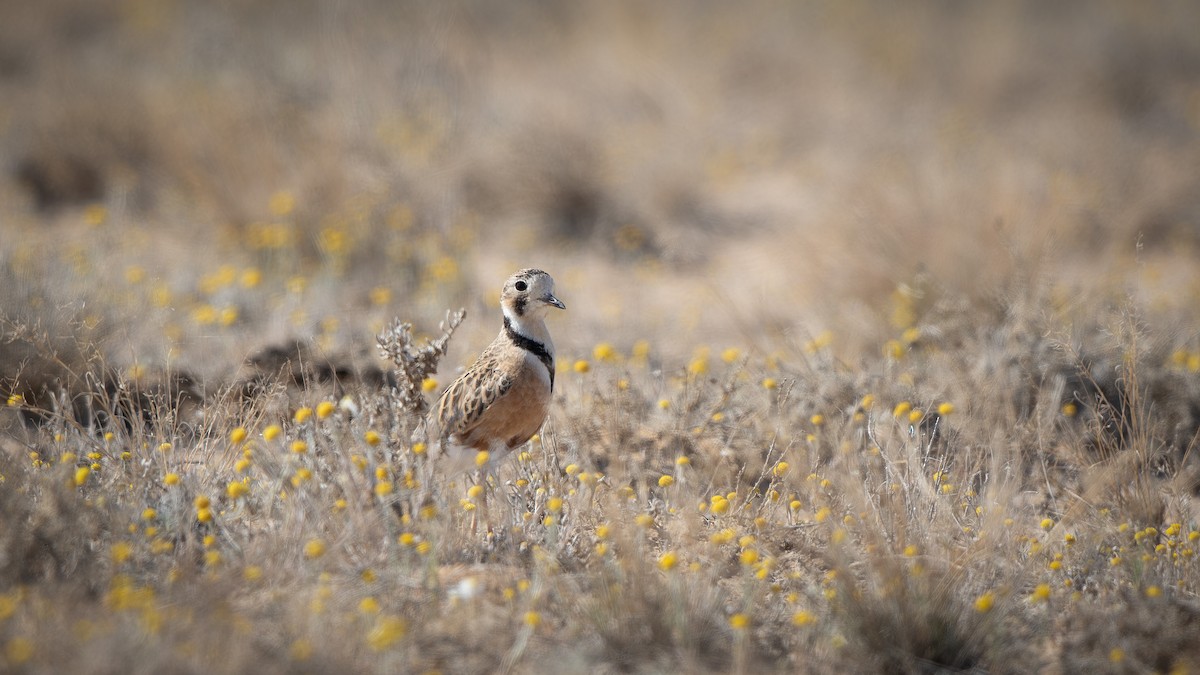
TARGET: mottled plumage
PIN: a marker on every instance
(502, 399)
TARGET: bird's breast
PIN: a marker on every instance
(517, 415)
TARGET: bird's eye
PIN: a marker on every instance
(521, 286)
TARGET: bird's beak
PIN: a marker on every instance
(551, 300)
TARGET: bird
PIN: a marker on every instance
(501, 400)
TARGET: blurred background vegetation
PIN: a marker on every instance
(199, 179)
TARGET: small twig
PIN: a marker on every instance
(415, 364)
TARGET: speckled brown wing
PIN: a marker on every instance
(465, 401)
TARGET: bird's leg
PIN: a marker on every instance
(480, 512)
(497, 451)
(482, 480)
(478, 506)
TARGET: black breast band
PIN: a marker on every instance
(533, 346)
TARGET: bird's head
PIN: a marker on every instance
(529, 292)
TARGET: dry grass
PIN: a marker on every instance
(882, 352)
